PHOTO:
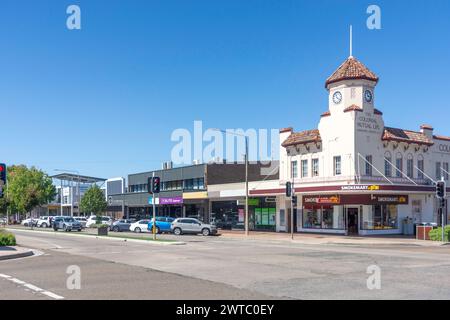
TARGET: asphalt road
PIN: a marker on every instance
(224, 268)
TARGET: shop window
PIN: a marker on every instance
(282, 218)
(380, 217)
(325, 217)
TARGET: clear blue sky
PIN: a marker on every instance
(104, 100)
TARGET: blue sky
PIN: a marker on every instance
(104, 100)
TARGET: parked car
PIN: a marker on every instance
(26, 222)
(44, 222)
(121, 225)
(93, 220)
(2, 221)
(162, 224)
(82, 220)
(194, 226)
(66, 224)
(140, 226)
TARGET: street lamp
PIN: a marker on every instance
(78, 189)
(246, 224)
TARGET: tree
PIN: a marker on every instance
(94, 202)
(28, 188)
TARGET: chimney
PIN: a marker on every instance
(427, 130)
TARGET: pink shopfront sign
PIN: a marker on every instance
(171, 200)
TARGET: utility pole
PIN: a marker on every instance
(246, 187)
(154, 209)
(292, 208)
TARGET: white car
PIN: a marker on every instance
(44, 222)
(191, 225)
(140, 226)
(93, 220)
(26, 222)
(82, 220)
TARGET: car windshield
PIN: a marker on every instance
(69, 220)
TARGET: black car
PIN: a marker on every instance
(122, 225)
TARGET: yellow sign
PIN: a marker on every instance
(195, 195)
(374, 187)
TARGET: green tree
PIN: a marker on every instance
(94, 202)
(28, 188)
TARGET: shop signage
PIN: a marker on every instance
(334, 199)
(357, 187)
(251, 202)
(171, 200)
(150, 200)
(195, 195)
(358, 199)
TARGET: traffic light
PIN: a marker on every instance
(288, 189)
(2, 178)
(441, 203)
(155, 184)
(440, 189)
(294, 200)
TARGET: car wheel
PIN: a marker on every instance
(44, 225)
(205, 232)
(116, 229)
(157, 230)
(25, 224)
(65, 228)
(177, 231)
(137, 230)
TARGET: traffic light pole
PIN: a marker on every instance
(154, 210)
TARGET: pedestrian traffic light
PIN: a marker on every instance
(442, 203)
(294, 200)
(156, 184)
(2, 178)
(440, 189)
(288, 189)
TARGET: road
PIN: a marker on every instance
(224, 268)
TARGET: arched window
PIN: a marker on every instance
(387, 164)
(399, 165)
(420, 166)
(410, 166)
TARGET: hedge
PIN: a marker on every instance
(7, 239)
(436, 234)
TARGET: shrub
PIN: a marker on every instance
(7, 239)
(436, 234)
(99, 225)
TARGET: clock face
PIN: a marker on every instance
(368, 96)
(337, 97)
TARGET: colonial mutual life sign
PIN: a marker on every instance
(368, 123)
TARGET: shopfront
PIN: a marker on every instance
(230, 214)
(352, 213)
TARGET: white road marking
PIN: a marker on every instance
(31, 287)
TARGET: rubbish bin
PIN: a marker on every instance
(408, 226)
(423, 230)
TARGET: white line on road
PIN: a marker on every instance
(29, 286)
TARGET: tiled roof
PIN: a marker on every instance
(303, 137)
(286, 129)
(326, 114)
(394, 134)
(441, 138)
(351, 69)
(353, 107)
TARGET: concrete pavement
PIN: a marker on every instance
(273, 268)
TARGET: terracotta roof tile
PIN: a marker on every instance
(289, 129)
(303, 137)
(441, 138)
(394, 134)
(326, 114)
(351, 69)
(353, 107)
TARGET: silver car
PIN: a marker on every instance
(193, 226)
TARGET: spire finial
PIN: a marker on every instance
(351, 41)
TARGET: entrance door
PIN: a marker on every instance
(352, 221)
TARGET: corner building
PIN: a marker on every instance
(353, 174)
